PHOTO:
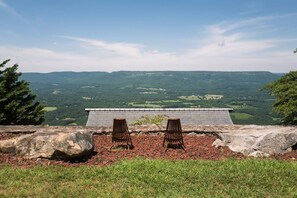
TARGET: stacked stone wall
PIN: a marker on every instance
(104, 117)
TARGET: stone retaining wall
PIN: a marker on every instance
(188, 116)
(237, 129)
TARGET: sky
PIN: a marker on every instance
(149, 35)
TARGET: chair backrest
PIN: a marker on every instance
(173, 133)
(120, 132)
(120, 125)
(173, 125)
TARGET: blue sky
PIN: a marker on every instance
(94, 35)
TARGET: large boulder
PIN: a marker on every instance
(257, 141)
(52, 145)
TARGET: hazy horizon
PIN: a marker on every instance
(153, 71)
(170, 35)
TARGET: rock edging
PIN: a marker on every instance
(259, 141)
(51, 145)
(251, 140)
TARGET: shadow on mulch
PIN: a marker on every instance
(78, 159)
(121, 147)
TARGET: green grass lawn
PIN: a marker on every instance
(155, 178)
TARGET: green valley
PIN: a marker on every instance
(65, 95)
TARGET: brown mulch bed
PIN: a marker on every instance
(146, 146)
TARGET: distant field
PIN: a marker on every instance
(170, 101)
(153, 104)
(68, 119)
(151, 89)
(213, 97)
(241, 116)
(145, 105)
(199, 97)
(50, 108)
(240, 106)
(87, 98)
(192, 97)
(56, 92)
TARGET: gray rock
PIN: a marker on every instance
(192, 133)
(258, 154)
(275, 142)
(52, 145)
(258, 141)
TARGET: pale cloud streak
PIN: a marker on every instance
(257, 22)
(121, 48)
(10, 10)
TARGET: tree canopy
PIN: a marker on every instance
(17, 103)
(285, 91)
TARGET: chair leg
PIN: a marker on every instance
(183, 147)
(112, 145)
(166, 148)
(183, 143)
(130, 141)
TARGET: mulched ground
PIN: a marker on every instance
(146, 146)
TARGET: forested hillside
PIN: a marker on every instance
(67, 94)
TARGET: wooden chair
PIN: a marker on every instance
(173, 133)
(120, 132)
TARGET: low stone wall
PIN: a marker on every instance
(144, 129)
(188, 116)
(233, 129)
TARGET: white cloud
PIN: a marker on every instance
(44, 60)
(226, 47)
(234, 46)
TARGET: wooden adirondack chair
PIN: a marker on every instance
(120, 132)
(173, 133)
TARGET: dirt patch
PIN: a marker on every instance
(146, 146)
